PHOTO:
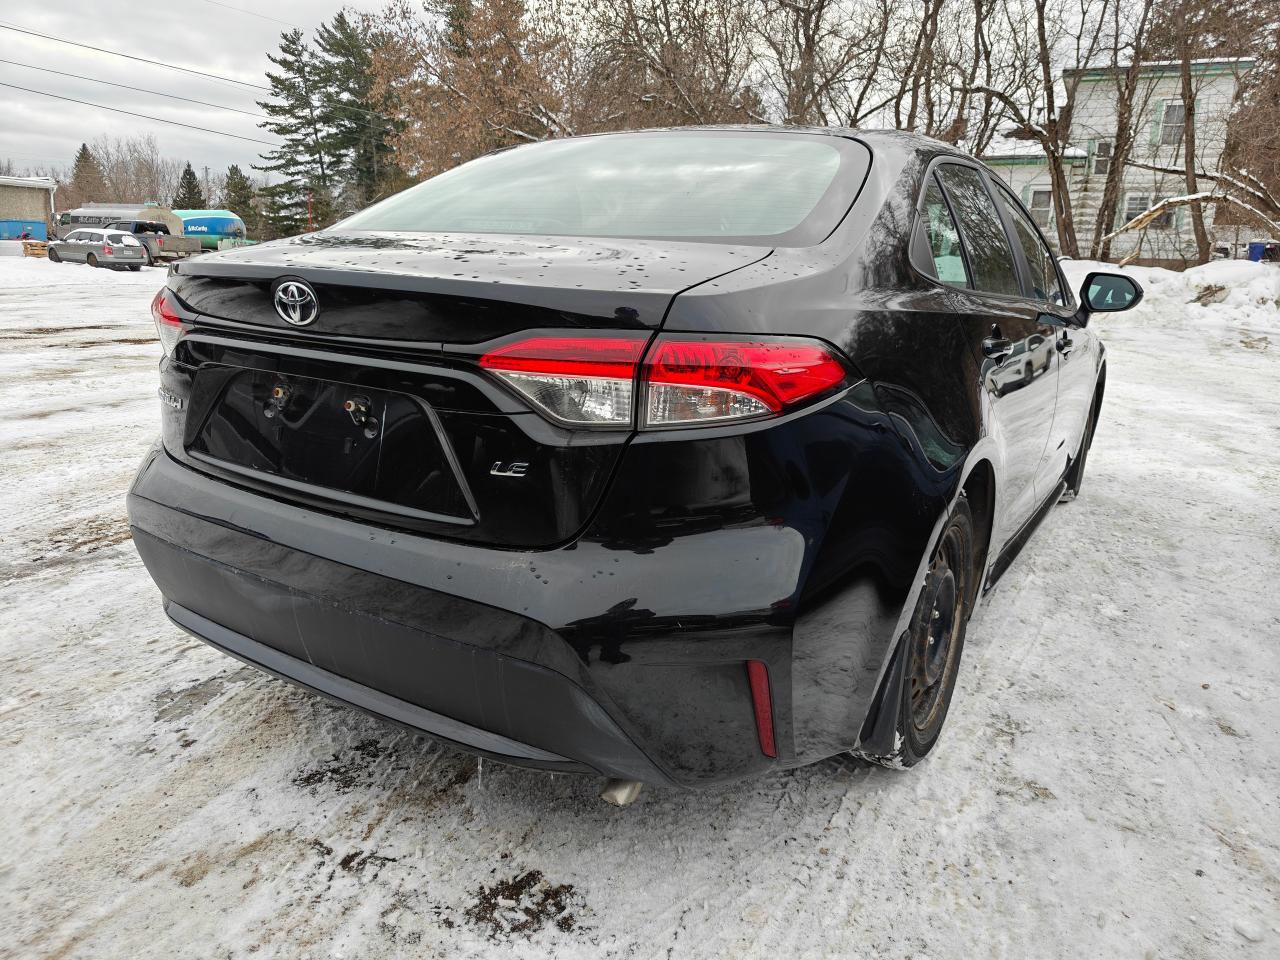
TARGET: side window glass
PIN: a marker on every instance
(944, 239)
(990, 256)
(1044, 276)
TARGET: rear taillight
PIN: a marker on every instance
(576, 380)
(108, 249)
(701, 380)
(169, 325)
(684, 381)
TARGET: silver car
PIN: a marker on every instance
(99, 248)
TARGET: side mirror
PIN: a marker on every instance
(1107, 293)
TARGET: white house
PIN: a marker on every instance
(1168, 241)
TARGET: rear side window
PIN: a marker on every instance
(1044, 275)
(944, 239)
(115, 238)
(990, 257)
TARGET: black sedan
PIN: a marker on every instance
(677, 456)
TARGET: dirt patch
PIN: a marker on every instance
(91, 535)
(172, 705)
(1255, 343)
(343, 771)
(523, 904)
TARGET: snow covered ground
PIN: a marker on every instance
(1107, 785)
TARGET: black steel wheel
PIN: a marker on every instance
(934, 641)
(52, 254)
(91, 260)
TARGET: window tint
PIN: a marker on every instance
(115, 238)
(944, 240)
(704, 185)
(1044, 275)
(990, 258)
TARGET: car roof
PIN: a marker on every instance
(899, 139)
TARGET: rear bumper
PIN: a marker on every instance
(260, 580)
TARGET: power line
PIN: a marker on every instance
(129, 56)
(170, 66)
(261, 16)
(101, 106)
(125, 86)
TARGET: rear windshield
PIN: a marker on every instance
(710, 185)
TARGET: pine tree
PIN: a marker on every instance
(356, 134)
(88, 182)
(189, 195)
(303, 159)
(240, 197)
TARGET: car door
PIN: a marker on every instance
(1073, 350)
(74, 248)
(1002, 324)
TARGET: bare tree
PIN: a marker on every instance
(1063, 32)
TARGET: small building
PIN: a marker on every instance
(1169, 240)
(26, 204)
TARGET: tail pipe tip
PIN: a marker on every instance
(621, 793)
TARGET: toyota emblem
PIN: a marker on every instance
(296, 302)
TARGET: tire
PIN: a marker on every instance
(146, 252)
(52, 254)
(1075, 476)
(92, 261)
(135, 267)
(1028, 374)
(934, 642)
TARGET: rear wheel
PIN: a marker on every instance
(91, 260)
(135, 267)
(1075, 476)
(52, 254)
(934, 642)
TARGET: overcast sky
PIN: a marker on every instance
(211, 36)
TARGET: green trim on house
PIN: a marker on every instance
(1027, 161)
(1215, 68)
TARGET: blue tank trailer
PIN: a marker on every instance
(211, 226)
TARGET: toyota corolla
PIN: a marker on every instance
(676, 456)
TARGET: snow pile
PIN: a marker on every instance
(1234, 295)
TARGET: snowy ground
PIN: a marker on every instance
(1106, 787)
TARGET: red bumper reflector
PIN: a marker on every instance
(762, 704)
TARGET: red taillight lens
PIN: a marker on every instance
(762, 706)
(688, 380)
(577, 380)
(107, 249)
(692, 381)
(169, 325)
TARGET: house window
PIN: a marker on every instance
(1171, 123)
(1138, 203)
(1041, 208)
(1102, 158)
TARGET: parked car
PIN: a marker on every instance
(1025, 361)
(664, 455)
(160, 244)
(99, 248)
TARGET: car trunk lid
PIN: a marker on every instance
(378, 408)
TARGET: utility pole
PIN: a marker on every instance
(207, 198)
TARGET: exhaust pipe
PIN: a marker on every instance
(621, 793)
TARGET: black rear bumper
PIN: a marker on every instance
(376, 643)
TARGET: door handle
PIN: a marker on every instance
(1065, 344)
(995, 345)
